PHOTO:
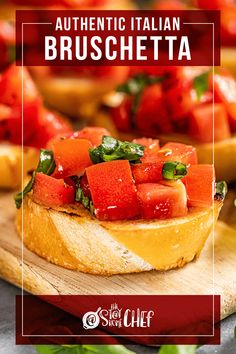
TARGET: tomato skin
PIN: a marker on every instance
(85, 186)
(113, 190)
(186, 154)
(201, 123)
(225, 91)
(11, 87)
(11, 126)
(121, 115)
(71, 157)
(52, 192)
(147, 172)
(199, 183)
(50, 125)
(152, 146)
(93, 134)
(160, 201)
(151, 114)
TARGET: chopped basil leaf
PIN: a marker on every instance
(113, 149)
(82, 349)
(201, 84)
(174, 170)
(134, 86)
(221, 190)
(178, 349)
(85, 201)
(46, 165)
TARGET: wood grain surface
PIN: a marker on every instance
(41, 277)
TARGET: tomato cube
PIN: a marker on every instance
(151, 115)
(152, 147)
(71, 157)
(162, 201)
(93, 134)
(225, 91)
(186, 154)
(51, 192)
(147, 172)
(201, 123)
(200, 185)
(11, 86)
(113, 190)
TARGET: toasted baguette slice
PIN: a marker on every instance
(11, 164)
(72, 238)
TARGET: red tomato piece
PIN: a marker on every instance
(201, 123)
(200, 185)
(225, 91)
(160, 201)
(121, 115)
(11, 86)
(85, 186)
(113, 190)
(71, 157)
(152, 147)
(186, 154)
(93, 134)
(51, 192)
(151, 114)
(11, 125)
(50, 125)
(147, 172)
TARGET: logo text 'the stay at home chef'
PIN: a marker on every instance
(117, 317)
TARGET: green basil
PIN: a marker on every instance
(113, 149)
(178, 349)
(82, 349)
(85, 201)
(174, 170)
(221, 190)
(46, 165)
(201, 84)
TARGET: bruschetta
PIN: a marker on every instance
(177, 104)
(24, 128)
(111, 206)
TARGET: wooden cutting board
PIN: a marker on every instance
(41, 277)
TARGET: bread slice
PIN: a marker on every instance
(11, 164)
(72, 238)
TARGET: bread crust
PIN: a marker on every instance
(11, 164)
(72, 238)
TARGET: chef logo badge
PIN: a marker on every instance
(117, 317)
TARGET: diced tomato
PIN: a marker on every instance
(51, 192)
(199, 183)
(11, 125)
(201, 123)
(225, 91)
(152, 147)
(93, 134)
(71, 157)
(50, 126)
(186, 154)
(162, 201)
(113, 190)
(11, 86)
(151, 113)
(147, 172)
(85, 186)
(121, 115)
